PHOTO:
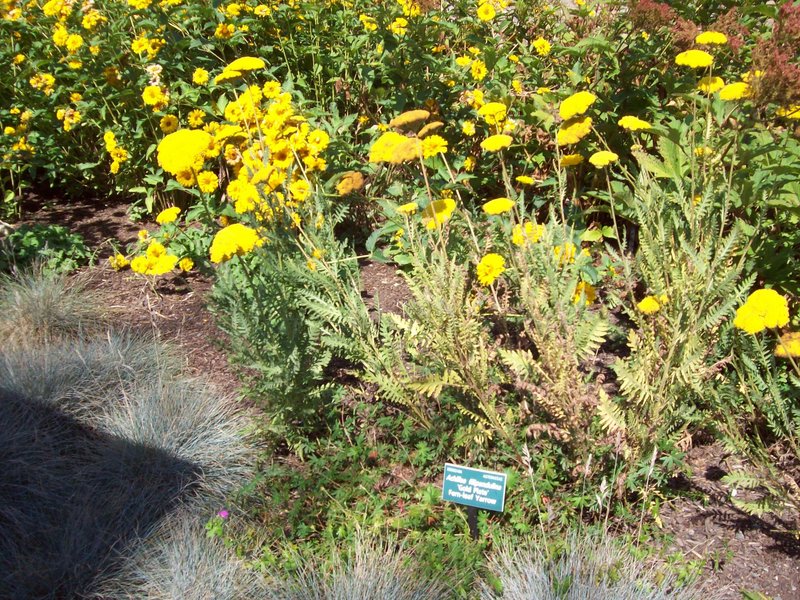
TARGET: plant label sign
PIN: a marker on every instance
(474, 487)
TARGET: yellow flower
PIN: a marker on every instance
(497, 142)
(478, 70)
(493, 113)
(529, 232)
(603, 158)
(153, 95)
(200, 76)
(708, 38)
(586, 291)
(410, 117)
(576, 105)
(246, 63)
(468, 128)
(433, 145)
(789, 345)
(142, 234)
(399, 26)
(789, 112)
(351, 181)
(438, 212)
(395, 148)
(196, 118)
(633, 123)
(186, 264)
(271, 90)
(409, 208)
(570, 160)
(542, 46)
(369, 23)
(118, 261)
(574, 130)
(525, 179)
(463, 61)
(649, 305)
(183, 150)
(74, 42)
(490, 268)
(486, 12)
(735, 91)
(710, 84)
(234, 240)
(565, 254)
(763, 308)
(498, 206)
(168, 215)
(696, 59)
(168, 123)
(207, 182)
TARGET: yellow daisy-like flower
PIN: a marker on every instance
(200, 76)
(525, 179)
(183, 150)
(570, 160)
(271, 90)
(486, 12)
(433, 145)
(234, 240)
(207, 181)
(574, 130)
(711, 38)
(498, 206)
(153, 95)
(168, 215)
(468, 128)
(438, 212)
(576, 105)
(735, 91)
(185, 264)
(789, 345)
(497, 142)
(710, 84)
(649, 305)
(478, 70)
(763, 309)
(168, 123)
(632, 123)
(603, 158)
(196, 118)
(542, 46)
(494, 113)
(490, 268)
(696, 59)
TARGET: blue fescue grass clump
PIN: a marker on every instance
(588, 566)
(103, 442)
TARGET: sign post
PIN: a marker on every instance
(476, 489)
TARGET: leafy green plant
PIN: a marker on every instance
(54, 246)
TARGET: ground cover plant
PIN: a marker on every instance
(593, 211)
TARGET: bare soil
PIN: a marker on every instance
(740, 552)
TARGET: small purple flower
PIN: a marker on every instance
(223, 514)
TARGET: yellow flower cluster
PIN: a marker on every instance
(156, 261)
(234, 240)
(117, 153)
(763, 309)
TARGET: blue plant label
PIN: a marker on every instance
(474, 487)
